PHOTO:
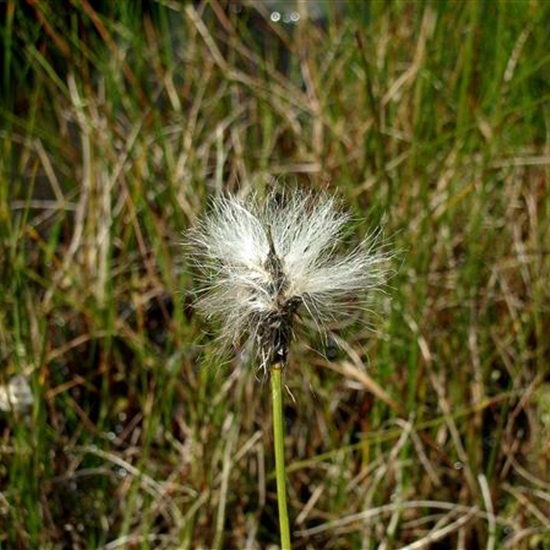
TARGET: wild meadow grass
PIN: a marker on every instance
(118, 121)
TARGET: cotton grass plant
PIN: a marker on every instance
(264, 262)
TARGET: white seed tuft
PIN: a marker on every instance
(260, 261)
(16, 395)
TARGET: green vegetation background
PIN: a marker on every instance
(119, 119)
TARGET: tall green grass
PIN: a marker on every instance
(119, 120)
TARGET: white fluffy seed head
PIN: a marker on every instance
(260, 261)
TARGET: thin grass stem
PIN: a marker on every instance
(278, 441)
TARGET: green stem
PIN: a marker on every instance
(278, 437)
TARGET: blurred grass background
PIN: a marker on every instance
(119, 119)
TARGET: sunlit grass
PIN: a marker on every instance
(115, 128)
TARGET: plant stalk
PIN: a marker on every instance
(278, 440)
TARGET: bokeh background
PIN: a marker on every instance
(425, 425)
